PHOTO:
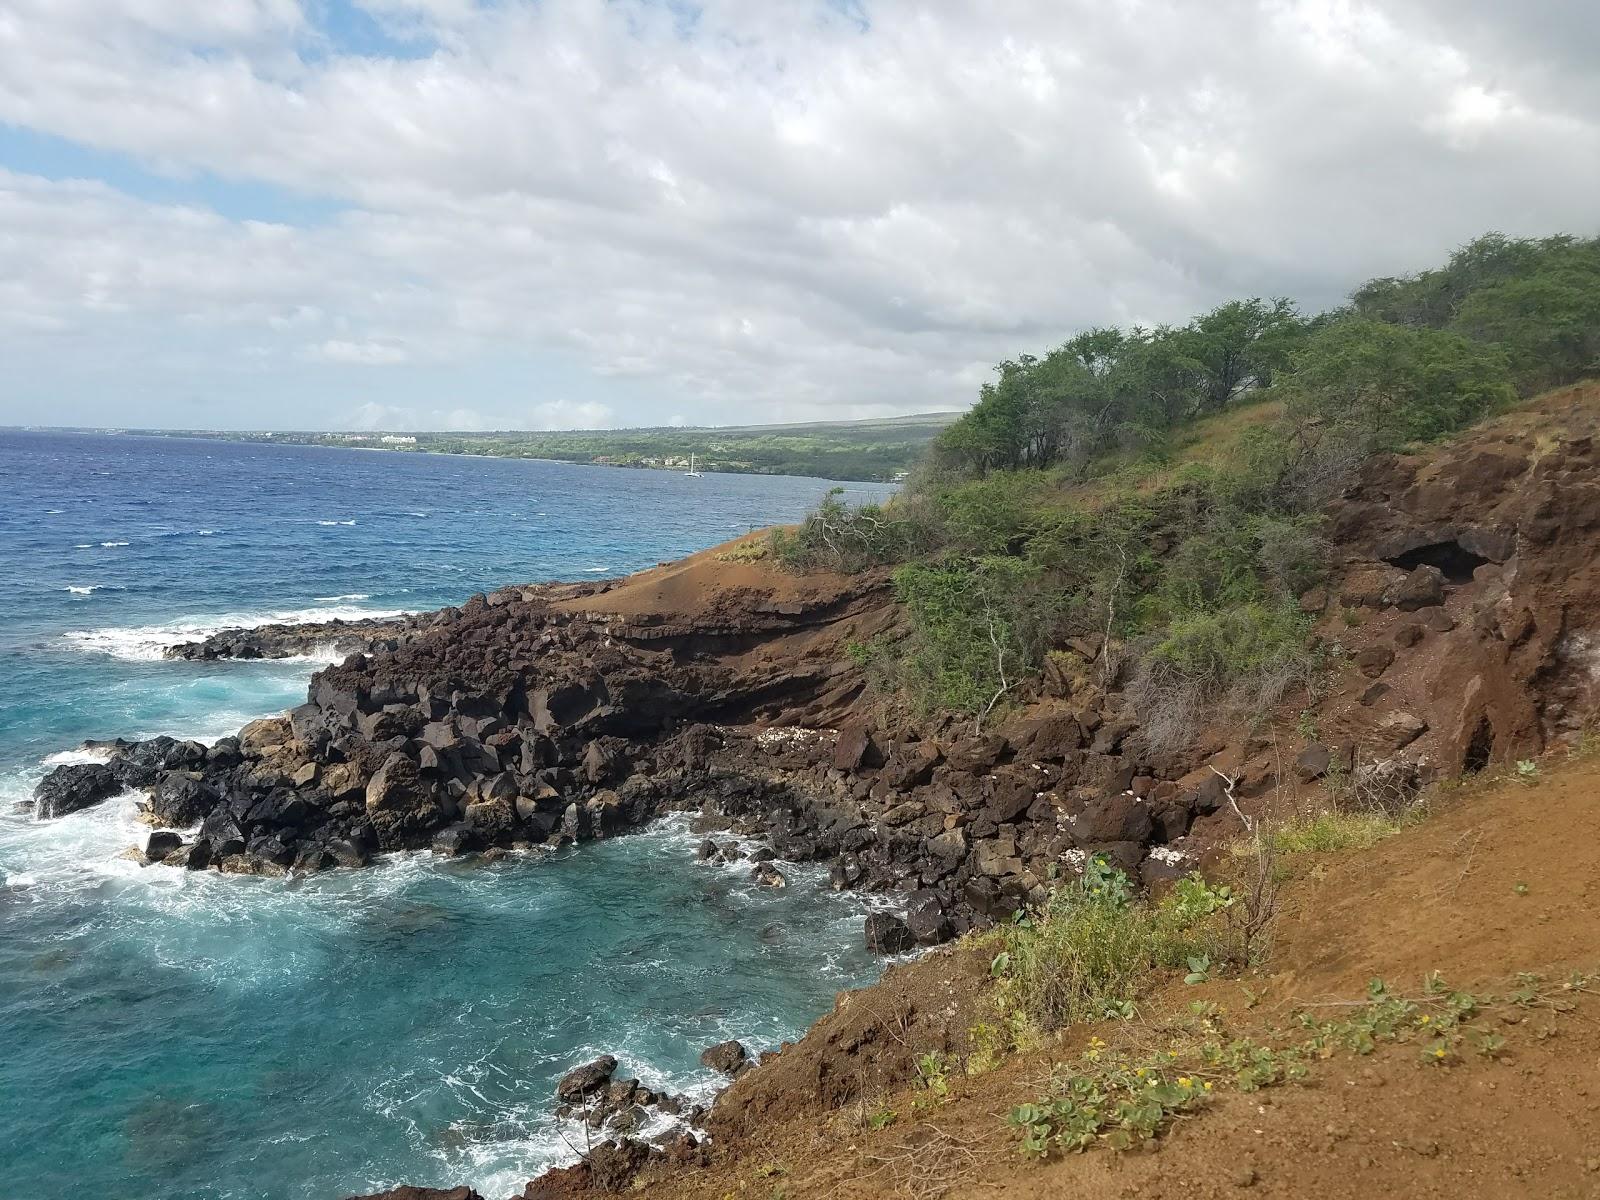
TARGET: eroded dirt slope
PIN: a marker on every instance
(1495, 883)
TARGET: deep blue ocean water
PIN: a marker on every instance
(169, 1035)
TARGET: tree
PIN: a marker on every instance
(1547, 322)
(1377, 386)
(1238, 346)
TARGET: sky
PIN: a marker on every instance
(496, 214)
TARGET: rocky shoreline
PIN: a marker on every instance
(369, 635)
(541, 716)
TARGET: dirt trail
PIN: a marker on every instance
(1499, 880)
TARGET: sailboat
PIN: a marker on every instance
(691, 473)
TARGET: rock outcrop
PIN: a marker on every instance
(1459, 619)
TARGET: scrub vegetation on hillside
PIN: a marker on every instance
(1157, 492)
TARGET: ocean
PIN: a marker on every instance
(176, 1036)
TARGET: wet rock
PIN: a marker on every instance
(926, 918)
(590, 1077)
(727, 1057)
(768, 875)
(422, 1193)
(181, 799)
(846, 872)
(160, 845)
(194, 857)
(75, 787)
(454, 840)
(886, 933)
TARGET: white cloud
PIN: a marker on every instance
(569, 414)
(375, 416)
(767, 213)
(362, 354)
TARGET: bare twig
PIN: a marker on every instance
(1107, 665)
(1000, 668)
(1227, 790)
(929, 1163)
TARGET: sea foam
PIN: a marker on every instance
(149, 643)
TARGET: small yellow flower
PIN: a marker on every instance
(1184, 1081)
(1438, 1052)
(1425, 1018)
(1207, 1085)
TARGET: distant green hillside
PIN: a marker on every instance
(878, 449)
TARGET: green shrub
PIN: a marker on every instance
(1325, 832)
(837, 537)
(1235, 664)
(978, 627)
(1216, 650)
(1092, 950)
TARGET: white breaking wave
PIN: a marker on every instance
(111, 544)
(63, 758)
(597, 570)
(335, 522)
(149, 643)
(339, 599)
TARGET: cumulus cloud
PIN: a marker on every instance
(738, 211)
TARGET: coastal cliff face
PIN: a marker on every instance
(1461, 611)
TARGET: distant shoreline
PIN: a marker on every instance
(873, 451)
(791, 470)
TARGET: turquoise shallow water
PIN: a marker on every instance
(174, 1035)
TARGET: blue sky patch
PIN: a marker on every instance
(31, 153)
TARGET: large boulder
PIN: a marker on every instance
(728, 1057)
(74, 787)
(912, 765)
(886, 933)
(856, 750)
(142, 764)
(181, 800)
(926, 917)
(1423, 588)
(397, 785)
(1116, 818)
(263, 736)
(1399, 729)
(590, 1077)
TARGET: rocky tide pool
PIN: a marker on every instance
(201, 1036)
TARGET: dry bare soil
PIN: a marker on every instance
(1501, 879)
